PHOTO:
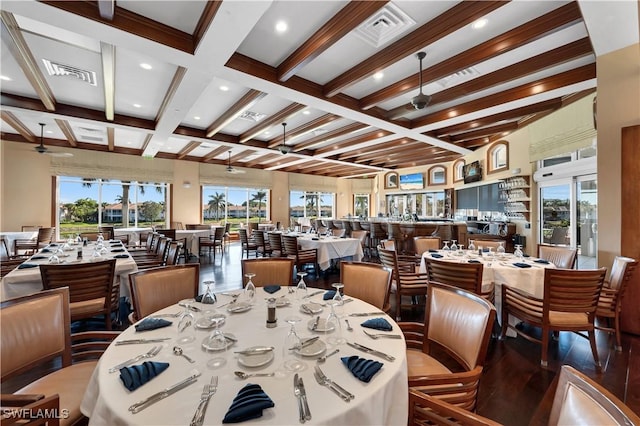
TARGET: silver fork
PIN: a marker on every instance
(382, 335)
(339, 390)
(207, 392)
(173, 315)
(150, 354)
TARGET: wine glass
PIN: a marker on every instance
(518, 252)
(454, 246)
(301, 288)
(445, 247)
(216, 341)
(187, 323)
(291, 343)
(500, 249)
(250, 288)
(471, 247)
(209, 297)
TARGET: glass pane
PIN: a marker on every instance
(237, 206)
(78, 210)
(118, 201)
(587, 232)
(150, 205)
(258, 203)
(215, 200)
(419, 206)
(556, 214)
(361, 206)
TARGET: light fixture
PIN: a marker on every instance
(224, 88)
(378, 76)
(4, 78)
(281, 26)
(186, 184)
(284, 148)
(480, 23)
(145, 66)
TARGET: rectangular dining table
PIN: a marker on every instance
(382, 401)
(11, 236)
(331, 248)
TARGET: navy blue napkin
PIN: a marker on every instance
(116, 243)
(45, 250)
(271, 288)
(38, 257)
(436, 255)
(152, 324)
(248, 404)
(433, 251)
(521, 265)
(53, 245)
(117, 250)
(315, 239)
(544, 262)
(363, 369)
(329, 294)
(27, 265)
(525, 255)
(137, 375)
(473, 261)
(378, 324)
(121, 256)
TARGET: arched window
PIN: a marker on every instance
(498, 157)
(391, 180)
(458, 174)
(437, 175)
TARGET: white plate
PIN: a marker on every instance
(322, 327)
(207, 347)
(282, 302)
(238, 307)
(314, 349)
(256, 360)
(208, 322)
(313, 308)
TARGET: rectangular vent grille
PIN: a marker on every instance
(459, 77)
(91, 138)
(60, 70)
(385, 25)
(252, 116)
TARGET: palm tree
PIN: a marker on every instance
(216, 203)
(313, 203)
(258, 196)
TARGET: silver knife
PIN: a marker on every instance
(141, 405)
(365, 314)
(136, 341)
(313, 294)
(371, 351)
(303, 396)
(305, 343)
(255, 351)
(298, 393)
(315, 323)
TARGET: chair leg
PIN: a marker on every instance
(617, 332)
(545, 348)
(594, 350)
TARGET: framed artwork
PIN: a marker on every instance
(391, 180)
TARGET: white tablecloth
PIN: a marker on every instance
(10, 237)
(192, 236)
(133, 233)
(21, 282)
(382, 401)
(332, 248)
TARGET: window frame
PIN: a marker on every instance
(491, 157)
(434, 169)
(458, 172)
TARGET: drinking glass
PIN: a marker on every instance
(454, 246)
(445, 247)
(292, 342)
(518, 252)
(472, 247)
(500, 249)
(187, 323)
(250, 288)
(209, 297)
(216, 341)
(301, 288)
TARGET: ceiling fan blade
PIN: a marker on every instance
(59, 154)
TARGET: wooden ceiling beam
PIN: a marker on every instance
(67, 130)
(421, 161)
(485, 131)
(338, 26)
(210, 11)
(371, 151)
(325, 137)
(17, 125)
(517, 37)
(367, 137)
(262, 159)
(305, 128)
(243, 104)
(187, 149)
(243, 154)
(110, 138)
(458, 16)
(414, 147)
(215, 152)
(146, 142)
(276, 118)
(171, 91)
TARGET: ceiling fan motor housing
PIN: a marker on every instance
(420, 101)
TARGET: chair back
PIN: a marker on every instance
(29, 228)
(261, 242)
(252, 226)
(621, 273)
(177, 225)
(35, 329)
(244, 236)
(275, 241)
(274, 270)
(572, 291)
(4, 250)
(218, 234)
(460, 322)
(108, 232)
(290, 244)
(361, 235)
(388, 244)
(197, 226)
(45, 235)
(169, 233)
(486, 244)
(581, 400)
(163, 245)
(423, 244)
(338, 232)
(367, 281)
(562, 257)
(90, 236)
(467, 276)
(173, 253)
(156, 288)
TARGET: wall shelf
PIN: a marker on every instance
(514, 193)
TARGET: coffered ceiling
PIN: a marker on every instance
(213, 81)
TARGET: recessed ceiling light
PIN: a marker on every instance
(49, 131)
(224, 88)
(378, 75)
(137, 105)
(281, 26)
(306, 112)
(479, 23)
(4, 78)
(196, 118)
(267, 133)
(145, 66)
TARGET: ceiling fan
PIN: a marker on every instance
(284, 148)
(41, 149)
(232, 170)
(421, 100)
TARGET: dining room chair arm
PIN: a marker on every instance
(426, 409)
(458, 388)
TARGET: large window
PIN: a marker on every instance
(235, 205)
(311, 205)
(85, 204)
(425, 205)
(361, 205)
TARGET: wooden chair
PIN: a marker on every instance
(300, 257)
(227, 233)
(264, 248)
(44, 237)
(458, 323)
(338, 232)
(155, 259)
(8, 262)
(247, 244)
(362, 236)
(407, 281)
(252, 226)
(212, 242)
(26, 410)
(275, 242)
(580, 400)
(30, 343)
(156, 288)
(171, 233)
(30, 228)
(276, 270)
(90, 287)
(423, 244)
(425, 409)
(370, 282)
(486, 244)
(610, 300)
(197, 226)
(388, 244)
(90, 236)
(562, 257)
(108, 232)
(173, 253)
(177, 225)
(467, 276)
(569, 304)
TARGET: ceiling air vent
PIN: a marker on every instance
(459, 77)
(385, 25)
(60, 70)
(252, 116)
(91, 138)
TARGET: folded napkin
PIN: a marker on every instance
(329, 294)
(521, 265)
(116, 243)
(39, 257)
(121, 256)
(473, 261)
(248, 404)
(433, 251)
(378, 324)
(152, 324)
(137, 375)
(525, 255)
(436, 255)
(117, 250)
(45, 250)
(315, 239)
(271, 288)
(53, 245)
(363, 369)
(27, 265)
(544, 262)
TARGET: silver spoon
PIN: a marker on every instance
(348, 325)
(244, 375)
(178, 351)
(324, 358)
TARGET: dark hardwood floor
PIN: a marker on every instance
(515, 389)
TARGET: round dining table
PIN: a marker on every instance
(381, 401)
